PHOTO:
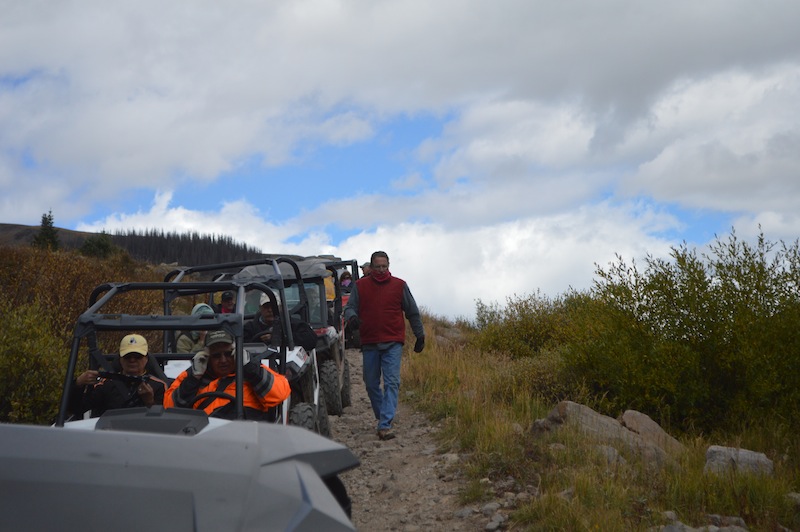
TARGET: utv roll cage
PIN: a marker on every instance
(94, 320)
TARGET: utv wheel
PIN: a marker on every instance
(346, 401)
(329, 383)
(302, 415)
(323, 425)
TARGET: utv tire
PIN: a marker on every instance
(302, 415)
(329, 384)
(323, 424)
(346, 401)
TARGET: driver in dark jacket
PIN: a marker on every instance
(135, 387)
(266, 327)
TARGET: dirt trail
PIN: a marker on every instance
(402, 484)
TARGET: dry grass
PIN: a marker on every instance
(488, 402)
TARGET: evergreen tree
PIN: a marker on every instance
(47, 237)
(99, 246)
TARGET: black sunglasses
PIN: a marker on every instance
(227, 354)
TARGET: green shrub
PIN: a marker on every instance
(99, 246)
(42, 293)
(697, 341)
(708, 341)
(32, 362)
(523, 327)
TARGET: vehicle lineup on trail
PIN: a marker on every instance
(181, 468)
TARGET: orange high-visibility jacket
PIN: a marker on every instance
(262, 390)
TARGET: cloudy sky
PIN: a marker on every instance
(491, 148)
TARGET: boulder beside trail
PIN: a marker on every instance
(721, 460)
(637, 433)
(644, 426)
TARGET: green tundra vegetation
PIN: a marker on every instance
(706, 343)
(42, 293)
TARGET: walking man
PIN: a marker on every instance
(376, 305)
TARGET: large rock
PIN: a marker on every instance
(721, 460)
(605, 429)
(651, 431)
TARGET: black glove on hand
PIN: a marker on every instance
(420, 345)
(353, 323)
(252, 370)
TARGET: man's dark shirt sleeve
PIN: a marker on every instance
(412, 312)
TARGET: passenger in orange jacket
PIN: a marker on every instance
(213, 370)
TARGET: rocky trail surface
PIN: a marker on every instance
(402, 484)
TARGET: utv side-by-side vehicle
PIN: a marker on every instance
(176, 469)
(319, 303)
(308, 408)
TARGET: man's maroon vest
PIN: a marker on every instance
(381, 311)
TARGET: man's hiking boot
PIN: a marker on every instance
(385, 434)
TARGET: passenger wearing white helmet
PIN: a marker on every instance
(266, 327)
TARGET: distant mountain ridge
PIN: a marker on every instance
(22, 235)
(153, 246)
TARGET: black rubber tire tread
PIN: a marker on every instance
(346, 400)
(323, 424)
(329, 384)
(302, 415)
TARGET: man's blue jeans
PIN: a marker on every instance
(387, 362)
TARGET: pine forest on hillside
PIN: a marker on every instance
(156, 246)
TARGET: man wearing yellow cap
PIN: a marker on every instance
(131, 387)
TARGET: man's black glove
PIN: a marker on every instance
(353, 323)
(252, 371)
(420, 345)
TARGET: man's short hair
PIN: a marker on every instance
(378, 254)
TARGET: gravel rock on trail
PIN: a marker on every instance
(402, 484)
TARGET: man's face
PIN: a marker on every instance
(267, 316)
(228, 304)
(220, 359)
(380, 264)
(133, 364)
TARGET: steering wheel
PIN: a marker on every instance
(257, 336)
(206, 395)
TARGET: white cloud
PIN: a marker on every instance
(447, 269)
(724, 143)
(546, 115)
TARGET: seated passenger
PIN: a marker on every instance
(266, 327)
(214, 370)
(228, 304)
(91, 392)
(193, 341)
(346, 281)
